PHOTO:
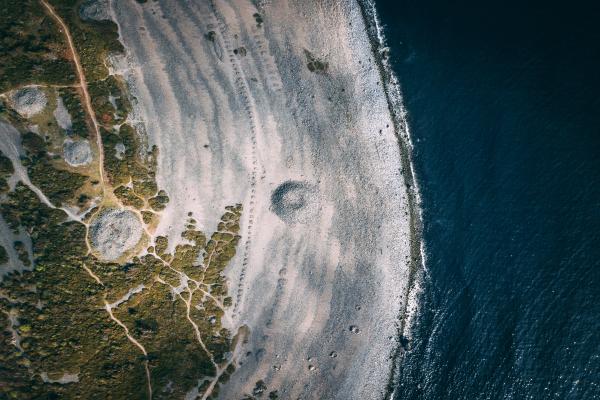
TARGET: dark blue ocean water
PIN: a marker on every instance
(503, 102)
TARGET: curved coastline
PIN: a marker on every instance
(392, 89)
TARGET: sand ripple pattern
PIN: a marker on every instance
(313, 158)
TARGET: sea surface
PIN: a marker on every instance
(503, 102)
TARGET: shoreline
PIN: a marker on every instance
(393, 93)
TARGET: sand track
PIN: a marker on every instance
(233, 128)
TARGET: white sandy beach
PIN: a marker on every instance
(232, 128)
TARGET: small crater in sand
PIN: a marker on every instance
(29, 101)
(77, 153)
(295, 202)
(354, 329)
(115, 231)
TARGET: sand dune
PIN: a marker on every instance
(236, 113)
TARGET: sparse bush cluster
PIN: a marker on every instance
(72, 102)
(71, 332)
(3, 255)
(58, 185)
(61, 321)
(102, 92)
(6, 170)
(314, 64)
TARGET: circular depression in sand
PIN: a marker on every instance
(115, 231)
(295, 201)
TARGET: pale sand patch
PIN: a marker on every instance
(62, 116)
(233, 129)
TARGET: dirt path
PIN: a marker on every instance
(83, 85)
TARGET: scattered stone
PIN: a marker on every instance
(311, 368)
(29, 101)
(94, 10)
(259, 388)
(115, 231)
(77, 152)
(240, 51)
(295, 202)
(354, 329)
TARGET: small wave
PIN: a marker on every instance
(375, 31)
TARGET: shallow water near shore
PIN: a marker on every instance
(502, 104)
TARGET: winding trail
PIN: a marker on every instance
(83, 85)
(135, 342)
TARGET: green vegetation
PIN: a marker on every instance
(72, 102)
(258, 18)
(131, 166)
(93, 40)
(128, 197)
(101, 92)
(58, 185)
(58, 305)
(6, 171)
(71, 332)
(3, 255)
(22, 253)
(148, 217)
(314, 64)
(32, 49)
(159, 202)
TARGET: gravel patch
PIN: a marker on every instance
(29, 101)
(114, 232)
(77, 153)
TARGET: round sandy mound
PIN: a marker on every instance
(29, 101)
(77, 153)
(115, 231)
(295, 201)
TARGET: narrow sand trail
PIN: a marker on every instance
(239, 117)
